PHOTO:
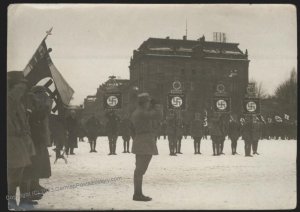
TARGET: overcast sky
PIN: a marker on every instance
(92, 42)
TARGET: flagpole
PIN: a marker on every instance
(48, 33)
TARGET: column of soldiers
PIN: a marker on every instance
(284, 129)
(28, 137)
(114, 128)
(218, 126)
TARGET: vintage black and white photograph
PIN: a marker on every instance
(151, 107)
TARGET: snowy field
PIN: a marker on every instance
(188, 181)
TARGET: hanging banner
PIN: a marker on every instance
(251, 106)
(176, 101)
(112, 101)
(221, 104)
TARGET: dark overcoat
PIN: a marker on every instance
(171, 126)
(179, 128)
(196, 130)
(38, 121)
(126, 127)
(112, 125)
(58, 131)
(92, 127)
(72, 128)
(251, 130)
(234, 130)
(19, 144)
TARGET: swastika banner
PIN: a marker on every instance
(112, 101)
(221, 104)
(176, 102)
(41, 67)
(251, 106)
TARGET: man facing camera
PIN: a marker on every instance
(144, 143)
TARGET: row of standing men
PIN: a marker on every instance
(251, 128)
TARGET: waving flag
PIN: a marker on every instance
(263, 119)
(287, 117)
(40, 67)
(269, 120)
(278, 119)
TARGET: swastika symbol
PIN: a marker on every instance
(112, 101)
(221, 104)
(176, 101)
(251, 106)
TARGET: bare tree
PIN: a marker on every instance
(259, 89)
(286, 94)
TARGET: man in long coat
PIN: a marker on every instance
(257, 131)
(217, 133)
(144, 143)
(112, 130)
(234, 131)
(179, 134)
(40, 133)
(92, 129)
(126, 129)
(250, 133)
(171, 133)
(58, 134)
(20, 147)
(72, 129)
(197, 131)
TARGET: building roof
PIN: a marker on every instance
(176, 47)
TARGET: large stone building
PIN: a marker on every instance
(198, 64)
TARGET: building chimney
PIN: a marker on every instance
(184, 37)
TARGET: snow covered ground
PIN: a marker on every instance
(188, 181)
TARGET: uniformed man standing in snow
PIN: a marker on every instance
(144, 144)
(126, 132)
(179, 134)
(72, 127)
(250, 134)
(217, 132)
(112, 128)
(257, 130)
(197, 131)
(171, 133)
(234, 132)
(225, 124)
(92, 128)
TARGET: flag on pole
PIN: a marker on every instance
(263, 119)
(287, 117)
(41, 66)
(278, 119)
(269, 120)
